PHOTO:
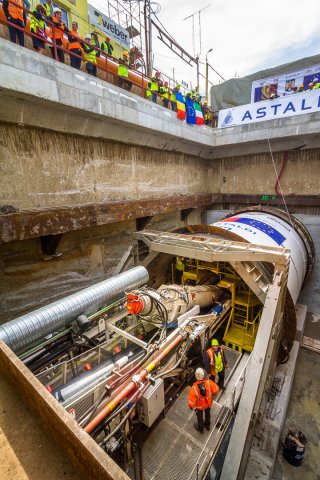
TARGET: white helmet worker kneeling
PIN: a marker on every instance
(200, 399)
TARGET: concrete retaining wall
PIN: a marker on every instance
(28, 281)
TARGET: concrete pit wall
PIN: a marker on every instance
(254, 174)
(41, 168)
(88, 256)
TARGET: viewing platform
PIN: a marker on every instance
(37, 90)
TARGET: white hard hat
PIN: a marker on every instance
(199, 374)
(88, 36)
(56, 10)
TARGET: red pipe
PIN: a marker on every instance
(131, 387)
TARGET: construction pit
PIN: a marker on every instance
(107, 370)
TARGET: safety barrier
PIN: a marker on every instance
(107, 65)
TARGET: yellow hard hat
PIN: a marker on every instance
(205, 102)
(125, 53)
(214, 342)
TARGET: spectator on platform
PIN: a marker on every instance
(49, 8)
(154, 87)
(95, 39)
(107, 47)
(123, 72)
(56, 32)
(173, 99)
(16, 15)
(38, 26)
(91, 55)
(74, 46)
(311, 87)
(206, 113)
(316, 83)
(196, 92)
(164, 90)
(301, 88)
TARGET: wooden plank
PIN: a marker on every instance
(311, 344)
(84, 453)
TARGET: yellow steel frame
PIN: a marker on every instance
(245, 313)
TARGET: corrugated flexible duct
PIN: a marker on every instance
(29, 328)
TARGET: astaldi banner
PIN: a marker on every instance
(283, 85)
(109, 27)
(282, 107)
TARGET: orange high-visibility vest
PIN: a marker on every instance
(58, 32)
(15, 9)
(197, 401)
(76, 44)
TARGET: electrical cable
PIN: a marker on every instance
(177, 364)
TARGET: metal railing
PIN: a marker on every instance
(104, 66)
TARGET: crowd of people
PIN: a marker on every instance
(157, 87)
(47, 26)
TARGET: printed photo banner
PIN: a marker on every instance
(297, 104)
(283, 85)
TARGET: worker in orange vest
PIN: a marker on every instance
(200, 399)
(215, 362)
(74, 46)
(13, 10)
(57, 32)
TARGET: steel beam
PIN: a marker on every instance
(54, 221)
(211, 249)
(253, 277)
(256, 373)
(127, 335)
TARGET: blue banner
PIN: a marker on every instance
(191, 114)
(263, 227)
(288, 106)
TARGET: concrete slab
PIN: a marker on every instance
(26, 451)
(39, 80)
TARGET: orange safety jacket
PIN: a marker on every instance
(15, 9)
(74, 42)
(211, 355)
(58, 32)
(197, 401)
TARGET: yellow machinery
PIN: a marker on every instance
(244, 317)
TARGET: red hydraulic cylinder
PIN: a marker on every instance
(132, 386)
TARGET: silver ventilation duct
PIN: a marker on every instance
(33, 326)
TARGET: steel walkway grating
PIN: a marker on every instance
(175, 450)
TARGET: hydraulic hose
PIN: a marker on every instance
(132, 386)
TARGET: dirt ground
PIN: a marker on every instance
(26, 451)
(304, 411)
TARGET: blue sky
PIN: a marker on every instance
(245, 36)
